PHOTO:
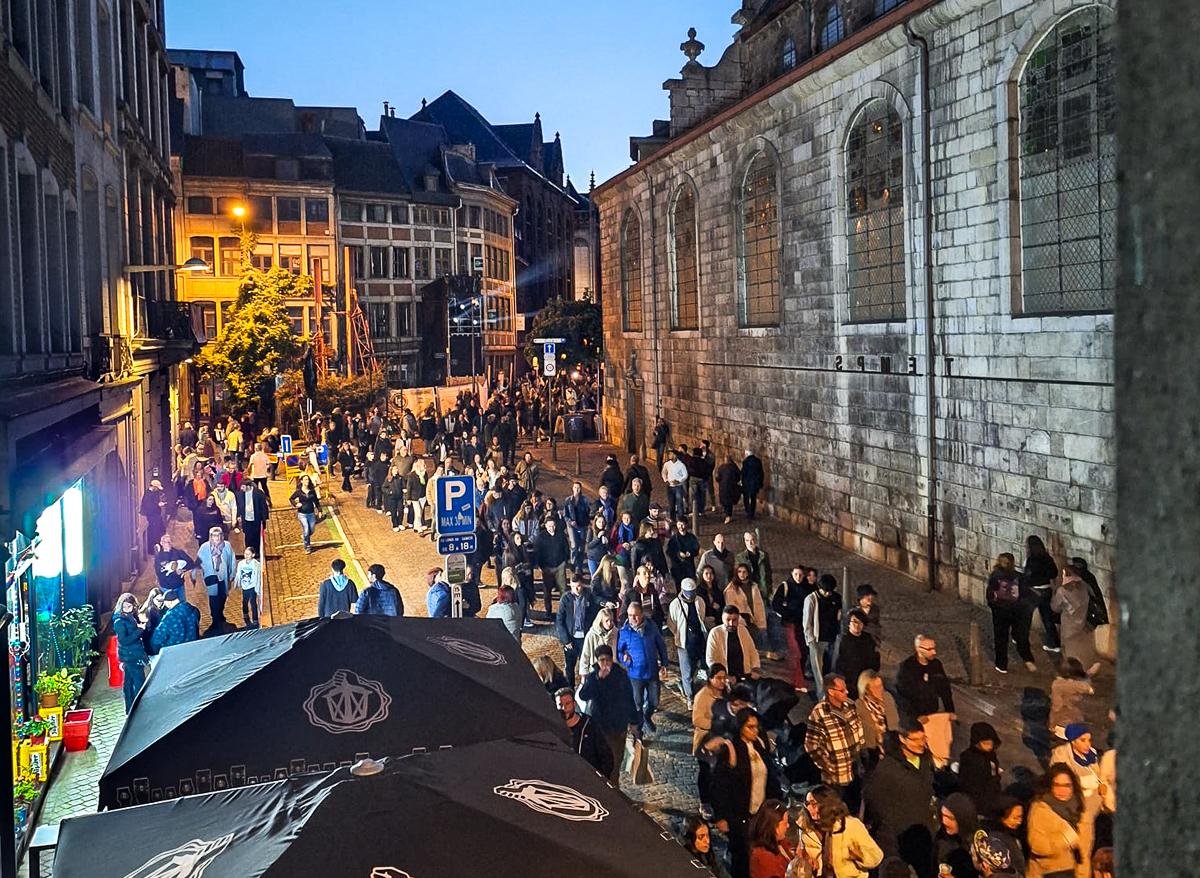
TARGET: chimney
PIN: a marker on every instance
(386, 108)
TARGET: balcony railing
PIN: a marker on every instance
(169, 321)
(109, 357)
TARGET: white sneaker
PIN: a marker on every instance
(1051, 648)
(1031, 667)
(1000, 670)
(395, 530)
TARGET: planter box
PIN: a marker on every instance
(77, 728)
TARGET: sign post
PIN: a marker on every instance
(549, 369)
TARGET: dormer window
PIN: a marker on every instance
(431, 182)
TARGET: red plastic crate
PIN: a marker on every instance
(77, 728)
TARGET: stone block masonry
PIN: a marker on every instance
(838, 408)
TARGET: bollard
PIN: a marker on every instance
(848, 600)
(553, 450)
(975, 656)
(578, 462)
(695, 521)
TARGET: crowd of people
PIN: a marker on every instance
(636, 602)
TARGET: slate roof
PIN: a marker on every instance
(365, 166)
(224, 115)
(518, 138)
(464, 124)
(417, 148)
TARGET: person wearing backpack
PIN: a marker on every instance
(1011, 616)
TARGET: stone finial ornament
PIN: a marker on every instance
(692, 47)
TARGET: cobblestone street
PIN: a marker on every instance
(1016, 704)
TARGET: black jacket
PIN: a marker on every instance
(900, 805)
(855, 655)
(923, 689)
(788, 602)
(752, 474)
(564, 620)
(979, 777)
(610, 700)
(731, 784)
(637, 471)
(259, 500)
(1039, 570)
(551, 550)
(588, 741)
(729, 483)
(614, 479)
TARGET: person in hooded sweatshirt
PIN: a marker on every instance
(959, 823)
(979, 768)
(337, 593)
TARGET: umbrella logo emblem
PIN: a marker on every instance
(554, 799)
(347, 703)
(190, 860)
(469, 649)
(388, 872)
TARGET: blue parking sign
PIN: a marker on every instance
(455, 506)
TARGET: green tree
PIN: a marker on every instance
(256, 341)
(357, 394)
(578, 322)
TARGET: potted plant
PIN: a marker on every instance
(76, 631)
(34, 730)
(25, 792)
(59, 689)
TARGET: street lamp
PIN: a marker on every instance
(192, 265)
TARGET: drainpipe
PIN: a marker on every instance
(654, 300)
(931, 516)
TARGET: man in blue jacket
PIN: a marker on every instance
(437, 600)
(643, 653)
(576, 610)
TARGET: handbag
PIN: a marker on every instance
(637, 762)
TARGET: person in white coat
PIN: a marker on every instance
(685, 619)
(731, 645)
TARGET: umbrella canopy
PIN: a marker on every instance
(523, 808)
(262, 704)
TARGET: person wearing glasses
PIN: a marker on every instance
(834, 738)
(835, 842)
(925, 696)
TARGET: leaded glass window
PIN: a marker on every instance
(1067, 151)
(834, 29)
(758, 237)
(631, 272)
(787, 55)
(685, 287)
(875, 214)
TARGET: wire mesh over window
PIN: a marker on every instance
(1068, 160)
(631, 272)
(875, 214)
(685, 287)
(758, 256)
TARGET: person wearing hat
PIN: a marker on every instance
(979, 769)
(152, 507)
(1079, 755)
(180, 623)
(685, 619)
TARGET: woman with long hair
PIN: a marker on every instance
(549, 673)
(603, 632)
(1037, 580)
(131, 649)
(151, 613)
(743, 593)
(770, 851)
(517, 560)
(597, 543)
(1011, 612)
(1059, 829)
(698, 842)
(837, 844)
(744, 779)
(307, 503)
(878, 714)
(710, 588)
(606, 581)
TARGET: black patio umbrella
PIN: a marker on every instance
(262, 704)
(518, 808)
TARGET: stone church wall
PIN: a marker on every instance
(1024, 405)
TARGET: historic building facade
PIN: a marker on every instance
(875, 243)
(90, 333)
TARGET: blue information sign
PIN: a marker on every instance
(285, 443)
(460, 544)
(455, 506)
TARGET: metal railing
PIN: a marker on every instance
(169, 321)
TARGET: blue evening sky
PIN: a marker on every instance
(594, 70)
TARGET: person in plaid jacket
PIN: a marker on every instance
(835, 735)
